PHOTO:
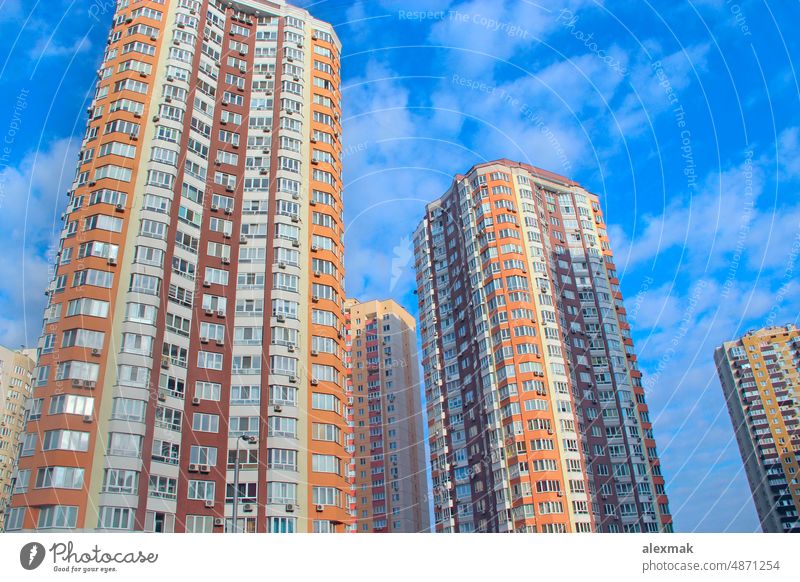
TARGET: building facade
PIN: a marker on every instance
(536, 412)
(390, 476)
(761, 382)
(16, 387)
(182, 356)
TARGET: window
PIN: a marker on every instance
(281, 493)
(116, 518)
(282, 395)
(199, 455)
(202, 490)
(326, 402)
(65, 440)
(245, 395)
(282, 459)
(281, 524)
(71, 404)
(163, 487)
(15, 518)
(326, 496)
(209, 360)
(282, 427)
(326, 432)
(128, 409)
(199, 524)
(125, 445)
(326, 464)
(205, 422)
(57, 516)
(208, 391)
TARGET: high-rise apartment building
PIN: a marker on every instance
(761, 381)
(536, 411)
(390, 477)
(16, 386)
(176, 382)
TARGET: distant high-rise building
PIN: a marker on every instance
(761, 381)
(536, 410)
(176, 376)
(16, 387)
(391, 484)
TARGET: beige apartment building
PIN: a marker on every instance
(391, 491)
(16, 384)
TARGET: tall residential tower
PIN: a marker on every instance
(536, 411)
(391, 484)
(16, 387)
(761, 381)
(176, 355)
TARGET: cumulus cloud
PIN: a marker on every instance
(33, 200)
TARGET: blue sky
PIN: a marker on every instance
(682, 116)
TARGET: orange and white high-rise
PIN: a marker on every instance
(389, 470)
(187, 381)
(761, 381)
(536, 410)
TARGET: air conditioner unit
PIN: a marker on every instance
(277, 408)
(220, 342)
(317, 273)
(220, 313)
(196, 401)
(203, 340)
(290, 347)
(96, 352)
(247, 508)
(170, 78)
(214, 208)
(87, 419)
(193, 468)
(218, 521)
(206, 283)
(281, 264)
(243, 240)
(162, 396)
(112, 261)
(293, 379)
(281, 318)
(119, 208)
(289, 508)
(204, 469)
(320, 508)
(314, 353)
(209, 504)
(226, 261)
(315, 298)
(314, 382)
(165, 362)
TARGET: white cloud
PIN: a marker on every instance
(33, 200)
(48, 47)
